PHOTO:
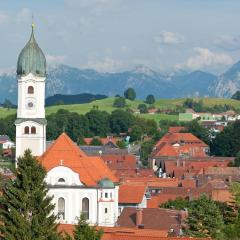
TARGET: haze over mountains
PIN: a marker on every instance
(68, 80)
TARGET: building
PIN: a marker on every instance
(180, 145)
(31, 122)
(78, 183)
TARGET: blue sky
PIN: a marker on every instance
(116, 35)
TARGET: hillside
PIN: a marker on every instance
(106, 105)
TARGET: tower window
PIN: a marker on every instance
(30, 90)
(61, 209)
(106, 195)
(33, 130)
(26, 130)
(85, 208)
(106, 210)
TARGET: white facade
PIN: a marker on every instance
(71, 198)
(31, 123)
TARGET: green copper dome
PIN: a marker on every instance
(31, 59)
(106, 183)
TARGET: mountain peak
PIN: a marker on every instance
(142, 69)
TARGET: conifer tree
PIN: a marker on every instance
(26, 210)
(85, 232)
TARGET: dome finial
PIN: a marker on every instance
(33, 24)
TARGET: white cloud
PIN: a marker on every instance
(55, 59)
(169, 38)
(205, 58)
(105, 65)
(228, 42)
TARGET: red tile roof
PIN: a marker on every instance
(174, 144)
(131, 193)
(104, 141)
(121, 233)
(65, 152)
(120, 162)
(152, 218)
(176, 129)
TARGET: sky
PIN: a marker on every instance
(119, 35)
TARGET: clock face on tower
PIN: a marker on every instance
(30, 104)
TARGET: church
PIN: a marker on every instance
(79, 184)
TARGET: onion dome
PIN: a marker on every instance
(31, 59)
(106, 183)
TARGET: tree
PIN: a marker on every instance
(142, 108)
(236, 95)
(85, 232)
(136, 133)
(237, 160)
(120, 121)
(96, 142)
(121, 144)
(130, 94)
(150, 99)
(146, 149)
(204, 219)
(198, 130)
(26, 209)
(227, 143)
(178, 204)
(98, 122)
(119, 102)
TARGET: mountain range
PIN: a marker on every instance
(64, 79)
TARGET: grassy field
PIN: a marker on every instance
(106, 105)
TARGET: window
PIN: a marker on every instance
(106, 195)
(105, 210)
(26, 130)
(85, 207)
(61, 209)
(33, 130)
(30, 90)
(61, 180)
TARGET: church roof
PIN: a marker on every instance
(64, 152)
(31, 59)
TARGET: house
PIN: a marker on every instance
(109, 141)
(180, 144)
(80, 184)
(177, 129)
(122, 233)
(153, 110)
(132, 196)
(5, 142)
(153, 218)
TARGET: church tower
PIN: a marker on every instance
(31, 122)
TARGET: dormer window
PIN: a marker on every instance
(61, 180)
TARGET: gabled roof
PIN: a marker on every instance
(152, 218)
(64, 152)
(131, 193)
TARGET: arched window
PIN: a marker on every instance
(85, 208)
(61, 180)
(26, 130)
(61, 209)
(30, 90)
(33, 130)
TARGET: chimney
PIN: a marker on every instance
(230, 179)
(139, 217)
